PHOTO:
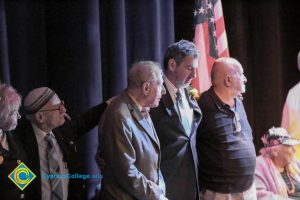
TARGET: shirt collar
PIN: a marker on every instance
(171, 88)
(141, 109)
(219, 103)
(39, 133)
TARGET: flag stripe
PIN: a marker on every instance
(210, 39)
(202, 70)
(222, 44)
(218, 10)
(220, 27)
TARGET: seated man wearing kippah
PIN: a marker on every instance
(49, 138)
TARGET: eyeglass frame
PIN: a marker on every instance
(62, 104)
(237, 127)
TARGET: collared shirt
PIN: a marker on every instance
(45, 183)
(138, 105)
(3, 140)
(188, 111)
(171, 88)
(225, 148)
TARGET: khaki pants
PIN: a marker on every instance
(249, 194)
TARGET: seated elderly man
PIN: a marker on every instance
(277, 174)
(50, 141)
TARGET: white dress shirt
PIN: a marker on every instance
(42, 145)
(187, 109)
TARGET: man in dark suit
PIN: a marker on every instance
(128, 142)
(48, 135)
(176, 121)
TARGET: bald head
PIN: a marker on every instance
(221, 68)
(37, 98)
(228, 77)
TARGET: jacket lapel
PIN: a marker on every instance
(170, 108)
(137, 115)
(31, 148)
(59, 138)
(197, 114)
(194, 105)
(169, 104)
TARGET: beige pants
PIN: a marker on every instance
(249, 194)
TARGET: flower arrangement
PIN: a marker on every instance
(194, 93)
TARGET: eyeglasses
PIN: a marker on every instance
(60, 107)
(236, 123)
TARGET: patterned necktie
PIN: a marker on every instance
(182, 112)
(53, 166)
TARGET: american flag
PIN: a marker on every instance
(210, 39)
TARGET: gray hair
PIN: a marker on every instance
(10, 99)
(143, 71)
(179, 50)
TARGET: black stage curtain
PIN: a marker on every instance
(81, 49)
(264, 35)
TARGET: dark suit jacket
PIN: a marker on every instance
(12, 158)
(179, 162)
(131, 150)
(66, 136)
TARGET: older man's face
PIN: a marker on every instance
(156, 91)
(54, 112)
(11, 118)
(239, 80)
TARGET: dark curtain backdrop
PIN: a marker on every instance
(264, 35)
(81, 49)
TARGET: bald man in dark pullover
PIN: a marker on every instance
(224, 137)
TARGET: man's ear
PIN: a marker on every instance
(146, 88)
(227, 80)
(39, 117)
(172, 64)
